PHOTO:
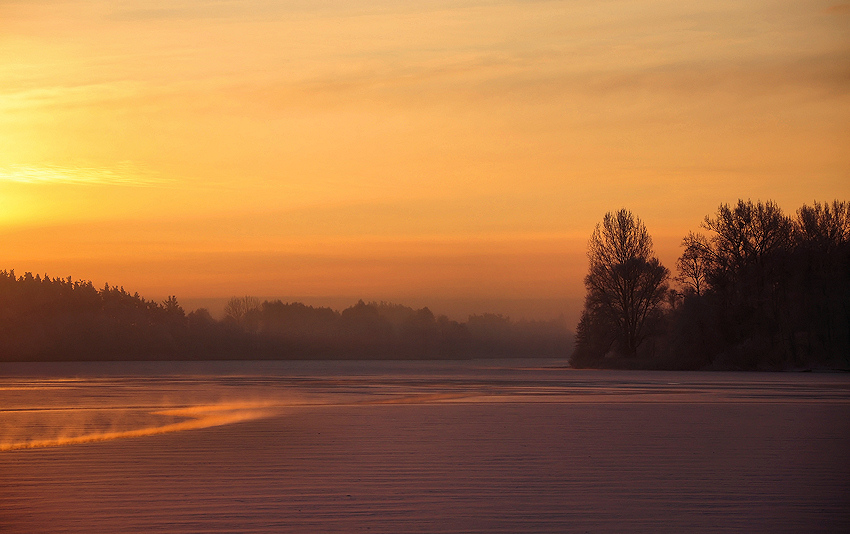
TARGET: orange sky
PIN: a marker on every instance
(401, 150)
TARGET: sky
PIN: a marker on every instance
(443, 153)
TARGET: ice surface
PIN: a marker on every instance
(476, 446)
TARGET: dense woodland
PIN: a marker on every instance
(759, 289)
(55, 319)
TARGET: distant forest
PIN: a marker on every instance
(56, 319)
(757, 290)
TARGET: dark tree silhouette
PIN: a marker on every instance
(626, 287)
(820, 287)
(824, 227)
(692, 264)
(59, 319)
(776, 290)
(744, 241)
(745, 261)
(240, 309)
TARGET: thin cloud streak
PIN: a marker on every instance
(492, 79)
(124, 174)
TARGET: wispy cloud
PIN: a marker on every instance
(231, 10)
(125, 173)
(826, 72)
(70, 95)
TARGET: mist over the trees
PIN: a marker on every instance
(52, 319)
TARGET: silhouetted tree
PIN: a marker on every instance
(239, 309)
(171, 306)
(626, 287)
(692, 264)
(776, 290)
(823, 227)
(745, 259)
(743, 242)
(820, 313)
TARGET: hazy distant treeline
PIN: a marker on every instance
(51, 319)
(757, 290)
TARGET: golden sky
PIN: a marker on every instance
(400, 149)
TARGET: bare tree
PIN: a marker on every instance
(745, 238)
(626, 285)
(692, 264)
(823, 226)
(238, 308)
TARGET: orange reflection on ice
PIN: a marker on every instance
(194, 417)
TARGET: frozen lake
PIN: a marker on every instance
(473, 446)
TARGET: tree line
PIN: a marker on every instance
(757, 289)
(55, 319)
